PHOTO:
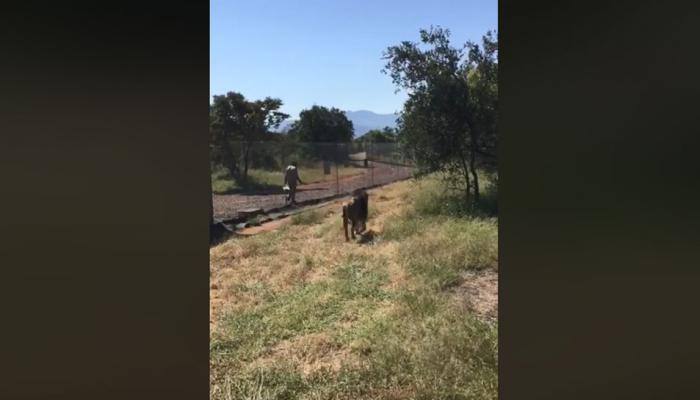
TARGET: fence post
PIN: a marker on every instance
(337, 179)
(371, 148)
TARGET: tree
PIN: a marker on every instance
(380, 144)
(386, 135)
(236, 123)
(225, 124)
(449, 120)
(321, 126)
(482, 79)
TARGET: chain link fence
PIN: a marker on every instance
(253, 177)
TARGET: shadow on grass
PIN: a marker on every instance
(487, 205)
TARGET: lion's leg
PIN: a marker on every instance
(345, 225)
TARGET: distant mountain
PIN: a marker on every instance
(284, 126)
(363, 121)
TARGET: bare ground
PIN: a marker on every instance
(478, 292)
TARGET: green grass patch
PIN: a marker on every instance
(279, 382)
(310, 217)
(258, 290)
(426, 350)
(438, 355)
(360, 279)
(439, 240)
(307, 309)
(221, 181)
(328, 226)
(433, 197)
(445, 252)
(260, 245)
(403, 226)
(448, 247)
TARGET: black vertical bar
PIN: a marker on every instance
(371, 148)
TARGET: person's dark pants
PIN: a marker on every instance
(291, 196)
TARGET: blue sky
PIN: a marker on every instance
(327, 52)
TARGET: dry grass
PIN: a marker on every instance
(300, 313)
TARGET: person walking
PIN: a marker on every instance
(291, 177)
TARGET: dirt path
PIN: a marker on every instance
(227, 206)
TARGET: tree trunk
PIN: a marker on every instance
(229, 160)
(465, 173)
(475, 176)
(473, 139)
(246, 153)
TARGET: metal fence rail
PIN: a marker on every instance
(253, 179)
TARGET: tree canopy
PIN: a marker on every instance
(322, 130)
(236, 123)
(449, 120)
(320, 124)
(386, 135)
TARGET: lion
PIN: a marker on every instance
(355, 211)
